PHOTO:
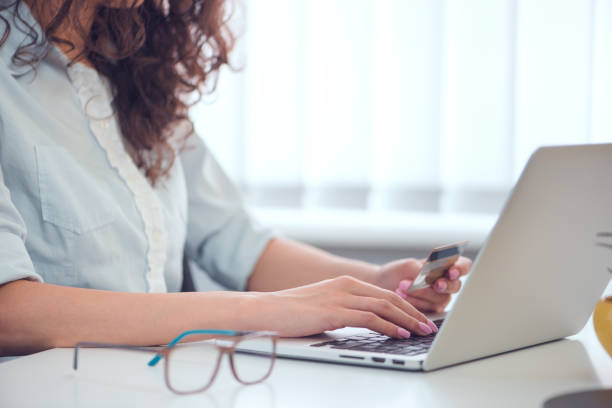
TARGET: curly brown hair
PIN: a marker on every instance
(157, 56)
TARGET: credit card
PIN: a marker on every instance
(437, 263)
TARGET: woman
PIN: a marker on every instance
(104, 188)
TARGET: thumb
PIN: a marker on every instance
(405, 284)
(411, 269)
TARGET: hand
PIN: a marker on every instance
(399, 275)
(333, 304)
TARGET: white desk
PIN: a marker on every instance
(116, 378)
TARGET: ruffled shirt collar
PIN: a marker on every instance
(96, 101)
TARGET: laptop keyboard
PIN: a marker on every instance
(379, 343)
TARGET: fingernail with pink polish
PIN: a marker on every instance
(405, 285)
(433, 326)
(401, 294)
(425, 329)
(403, 333)
(441, 286)
(453, 274)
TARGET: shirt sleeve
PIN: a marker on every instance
(15, 261)
(221, 236)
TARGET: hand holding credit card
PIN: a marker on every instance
(437, 263)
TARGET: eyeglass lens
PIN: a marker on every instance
(254, 367)
(192, 366)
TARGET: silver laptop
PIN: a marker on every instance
(536, 279)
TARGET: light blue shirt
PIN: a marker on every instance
(76, 211)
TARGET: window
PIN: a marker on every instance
(406, 105)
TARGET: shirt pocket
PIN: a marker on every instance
(70, 197)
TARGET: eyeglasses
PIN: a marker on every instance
(193, 358)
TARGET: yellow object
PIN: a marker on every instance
(602, 320)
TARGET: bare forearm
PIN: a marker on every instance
(287, 264)
(37, 316)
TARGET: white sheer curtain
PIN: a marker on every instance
(415, 105)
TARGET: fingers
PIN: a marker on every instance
(429, 301)
(453, 273)
(403, 287)
(360, 288)
(391, 313)
(430, 295)
(385, 304)
(450, 282)
(463, 265)
(371, 321)
(374, 322)
(444, 285)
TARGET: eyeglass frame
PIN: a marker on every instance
(164, 352)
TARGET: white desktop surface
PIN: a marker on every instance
(114, 378)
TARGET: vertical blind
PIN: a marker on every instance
(415, 105)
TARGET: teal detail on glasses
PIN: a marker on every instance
(178, 338)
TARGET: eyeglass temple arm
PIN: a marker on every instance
(77, 347)
(178, 338)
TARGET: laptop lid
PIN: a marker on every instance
(540, 272)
